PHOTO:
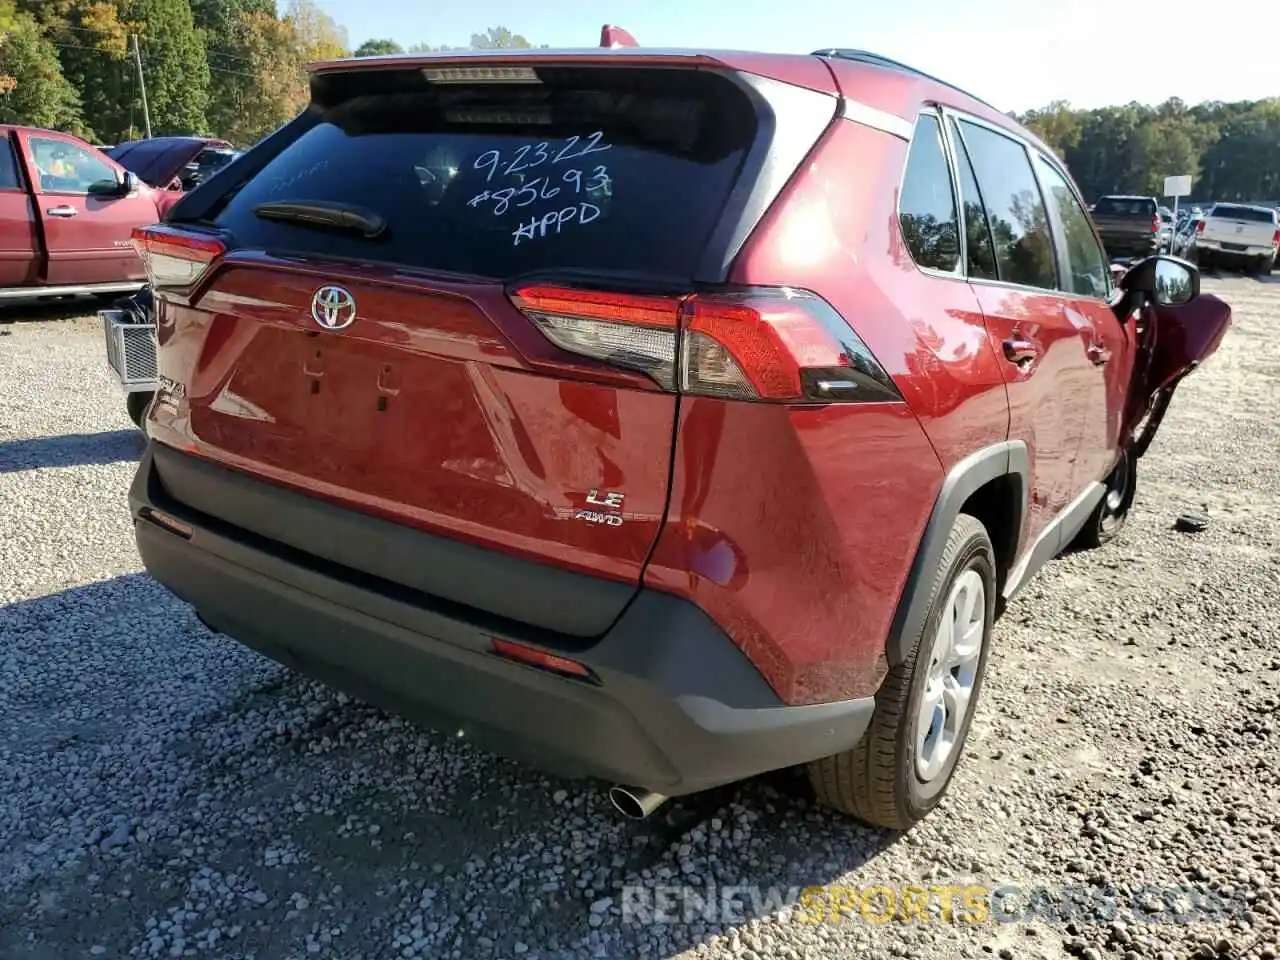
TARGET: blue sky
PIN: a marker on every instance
(1015, 53)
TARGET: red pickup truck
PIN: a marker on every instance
(66, 214)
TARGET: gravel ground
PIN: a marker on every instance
(164, 792)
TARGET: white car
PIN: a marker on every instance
(1238, 233)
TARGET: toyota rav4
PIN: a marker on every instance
(664, 417)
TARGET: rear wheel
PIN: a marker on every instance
(900, 769)
(1266, 265)
(1109, 516)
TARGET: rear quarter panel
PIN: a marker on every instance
(795, 528)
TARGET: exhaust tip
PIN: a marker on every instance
(635, 804)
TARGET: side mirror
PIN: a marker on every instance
(1164, 279)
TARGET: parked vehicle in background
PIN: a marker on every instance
(1129, 226)
(1166, 228)
(1184, 236)
(1238, 234)
(66, 215)
(492, 387)
(206, 164)
(173, 163)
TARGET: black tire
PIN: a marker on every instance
(1111, 514)
(877, 780)
(1266, 265)
(137, 404)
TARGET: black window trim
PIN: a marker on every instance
(934, 111)
(19, 166)
(950, 122)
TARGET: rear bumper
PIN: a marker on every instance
(1247, 252)
(675, 708)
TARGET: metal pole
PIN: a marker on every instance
(1173, 227)
(142, 85)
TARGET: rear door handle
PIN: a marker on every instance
(63, 211)
(1020, 352)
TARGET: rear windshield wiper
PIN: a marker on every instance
(324, 213)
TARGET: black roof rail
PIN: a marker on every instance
(877, 60)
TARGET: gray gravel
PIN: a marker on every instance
(164, 792)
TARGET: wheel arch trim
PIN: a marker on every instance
(1009, 458)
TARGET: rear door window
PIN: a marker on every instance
(927, 207)
(604, 170)
(1015, 210)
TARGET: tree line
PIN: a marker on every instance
(235, 69)
(1231, 150)
(226, 68)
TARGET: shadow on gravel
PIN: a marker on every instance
(44, 312)
(71, 450)
(245, 778)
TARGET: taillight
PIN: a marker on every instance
(1200, 226)
(175, 258)
(1155, 223)
(1275, 238)
(626, 330)
(773, 344)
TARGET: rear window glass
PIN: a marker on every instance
(1124, 207)
(1252, 214)
(618, 170)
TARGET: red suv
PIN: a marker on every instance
(662, 417)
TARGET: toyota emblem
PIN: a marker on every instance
(333, 308)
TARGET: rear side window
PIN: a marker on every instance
(1089, 274)
(8, 167)
(977, 232)
(927, 208)
(1251, 214)
(1015, 210)
(604, 170)
(1125, 207)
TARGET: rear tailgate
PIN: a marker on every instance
(392, 373)
(1240, 227)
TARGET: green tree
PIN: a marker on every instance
(1057, 125)
(499, 38)
(175, 65)
(222, 24)
(39, 95)
(378, 48)
(319, 37)
(268, 50)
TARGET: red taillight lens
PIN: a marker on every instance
(1200, 226)
(175, 258)
(541, 659)
(758, 344)
(1155, 223)
(1275, 238)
